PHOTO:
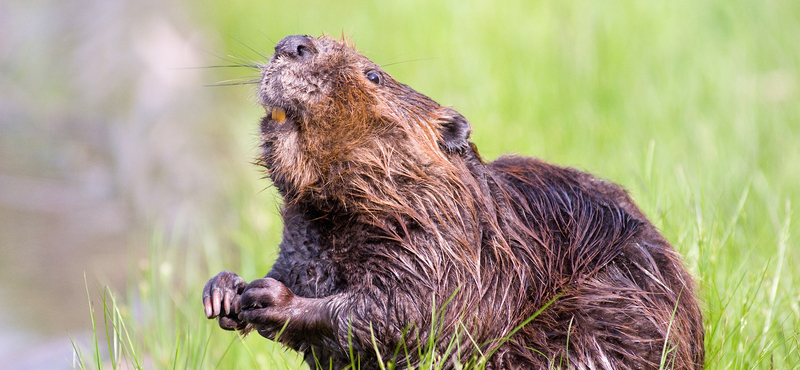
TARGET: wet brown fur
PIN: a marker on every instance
(390, 213)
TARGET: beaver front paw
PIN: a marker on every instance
(221, 298)
(268, 304)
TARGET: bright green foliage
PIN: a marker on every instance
(692, 106)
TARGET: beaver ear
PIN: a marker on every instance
(455, 131)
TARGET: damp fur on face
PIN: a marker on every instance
(337, 115)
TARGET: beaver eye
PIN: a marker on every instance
(374, 77)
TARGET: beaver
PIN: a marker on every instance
(402, 244)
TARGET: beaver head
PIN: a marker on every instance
(336, 121)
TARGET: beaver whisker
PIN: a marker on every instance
(234, 82)
(405, 61)
(251, 66)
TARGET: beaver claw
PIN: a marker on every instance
(221, 297)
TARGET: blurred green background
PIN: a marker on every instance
(118, 161)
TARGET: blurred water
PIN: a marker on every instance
(103, 132)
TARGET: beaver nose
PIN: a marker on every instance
(297, 46)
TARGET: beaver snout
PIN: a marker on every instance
(296, 47)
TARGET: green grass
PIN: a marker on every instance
(692, 106)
